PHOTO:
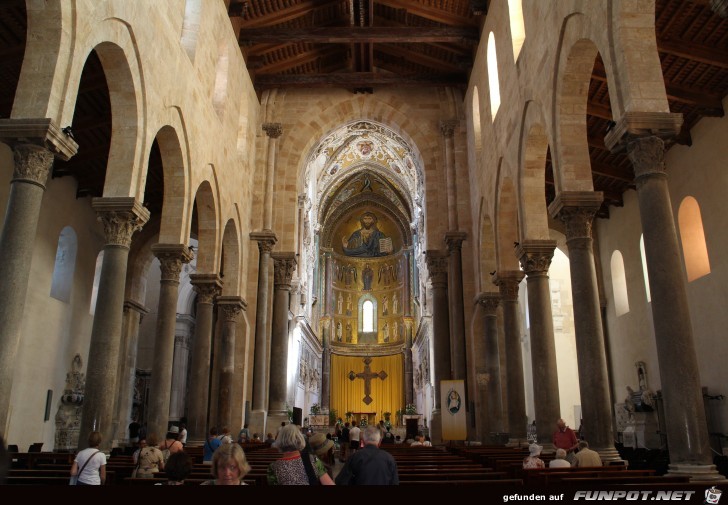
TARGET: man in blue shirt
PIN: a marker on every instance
(210, 446)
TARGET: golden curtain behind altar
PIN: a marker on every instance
(347, 395)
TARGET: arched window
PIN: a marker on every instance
(518, 28)
(493, 82)
(219, 94)
(644, 268)
(65, 265)
(367, 314)
(619, 284)
(478, 141)
(692, 235)
(97, 276)
(191, 27)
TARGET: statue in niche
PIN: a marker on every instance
(348, 304)
(349, 335)
(368, 241)
(385, 305)
(338, 331)
(367, 275)
(340, 304)
(395, 304)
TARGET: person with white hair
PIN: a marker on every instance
(559, 460)
(296, 465)
(369, 465)
(533, 460)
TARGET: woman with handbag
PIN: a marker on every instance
(92, 463)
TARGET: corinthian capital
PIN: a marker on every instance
(171, 258)
(454, 240)
(284, 263)
(231, 307)
(121, 217)
(489, 302)
(437, 267)
(647, 155)
(447, 128)
(266, 240)
(508, 282)
(576, 209)
(535, 256)
(32, 164)
(207, 286)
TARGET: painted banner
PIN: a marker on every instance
(454, 419)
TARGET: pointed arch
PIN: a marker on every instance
(518, 28)
(231, 259)
(173, 227)
(533, 213)
(486, 250)
(207, 230)
(493, 81)
(506, 223)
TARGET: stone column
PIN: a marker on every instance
(231, 307)
(508, 282)
(535, 257)
(576, 209)
(489, 302)
(121, 217)
(409, 395)
(266, 240)
(273, 130)
(447, 128)
(325, 373)
(35, 143)
(171, 258)
(284, 263)
(454, 241)
(133, 314)
(437, 266)
(184, 329)
(687, 433)
(208, 287)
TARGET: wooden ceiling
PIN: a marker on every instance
(361, 45)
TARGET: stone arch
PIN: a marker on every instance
(532, 174)
(231, 259)
(506, 222)
(207, 228)
(10, 66)
(173, 229)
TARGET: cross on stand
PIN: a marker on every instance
(367, 375)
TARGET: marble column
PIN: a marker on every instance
(489, 303)
(35, 143)
(535, 257)
(454, 241)
(171, 258)
(180, 366)
(232, 307)
(284, 263)
(208, 287)
(133, 315)
(437, 263)
(121, 217)
(687, 433)
(266, 239)
(447, 129)
(508, 282)
(576, 209)
(273, 131)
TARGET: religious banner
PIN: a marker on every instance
(454, 419)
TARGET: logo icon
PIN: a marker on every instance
(453, 402)
(712, 495)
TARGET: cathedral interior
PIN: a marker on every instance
(237, 212)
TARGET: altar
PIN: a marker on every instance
(357, 417)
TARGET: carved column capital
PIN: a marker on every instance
(40, 132)
(266, 240)
(633, 125)
(489, 302)
(447, 127)
(135, 306)
(437, 267)
(231, 307)
(508, 282)
(647, 155)
(576, 209)
(171, 258)
(207, 286)
(121, 217)
(535, 256)
(273, 130)
(32, 164)
(284, 263)
(454, 240)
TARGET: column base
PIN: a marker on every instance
(436, 427)
(609, 455)
(698, 473)
(274, 420)
(256, 423)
